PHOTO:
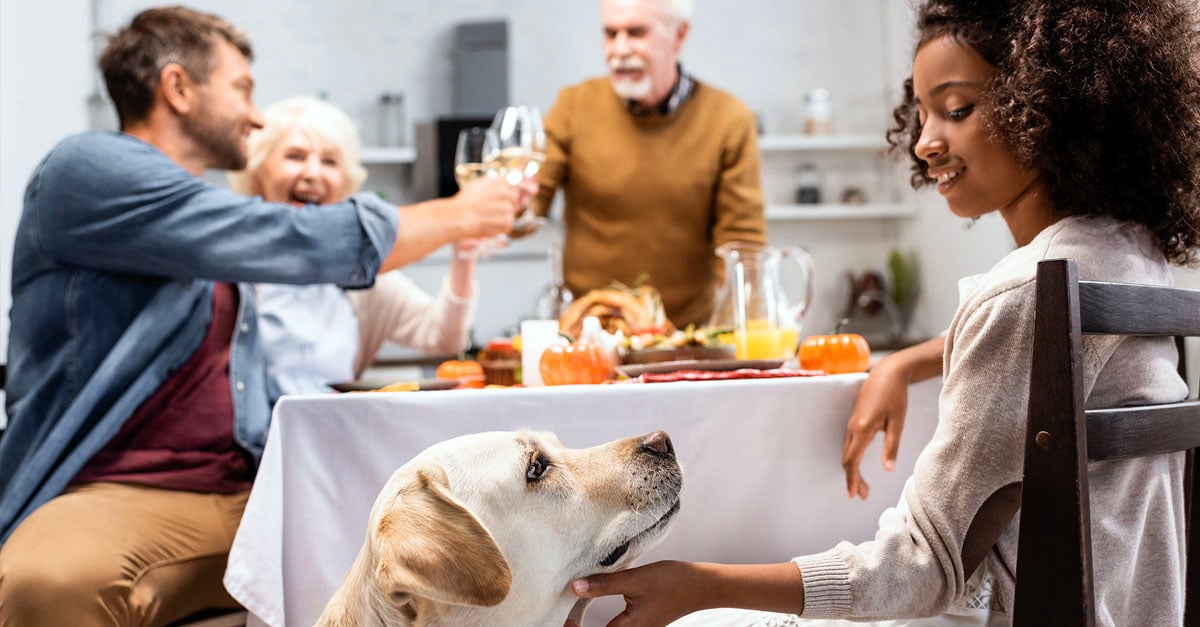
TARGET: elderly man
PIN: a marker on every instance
(136, 390)
(657, 168)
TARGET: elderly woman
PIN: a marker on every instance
(308, 154)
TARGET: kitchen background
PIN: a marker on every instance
(767, 53)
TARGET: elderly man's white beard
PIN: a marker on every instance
(626, 88)
(632, 90)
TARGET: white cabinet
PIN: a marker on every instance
(387, 155)
(862, 156)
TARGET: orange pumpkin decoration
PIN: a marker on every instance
(835, 354)
(567, 364)
(469, 372)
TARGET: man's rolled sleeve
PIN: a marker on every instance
(380, 222)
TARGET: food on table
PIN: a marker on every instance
(713, 375)
(619, 308)
(469, 372)
(836, 354)
(501, 362)
(400, 386)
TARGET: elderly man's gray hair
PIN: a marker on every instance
(679, 10)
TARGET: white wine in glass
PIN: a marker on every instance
(474, 145)
(471, 164)
(520, 156)
(464, 173)
(516, 164)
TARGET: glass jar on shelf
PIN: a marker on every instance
(809, 190)
(391, 119)
(818, 112)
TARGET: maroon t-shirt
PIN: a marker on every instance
(181, 437)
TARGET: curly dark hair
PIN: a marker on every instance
(1101, 97)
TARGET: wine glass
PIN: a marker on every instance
(474, 145)
(520, 155)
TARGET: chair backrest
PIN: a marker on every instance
(1054, 557)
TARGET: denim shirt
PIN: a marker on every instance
(113, 267)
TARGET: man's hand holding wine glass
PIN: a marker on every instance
(511, 152)
(487, 205)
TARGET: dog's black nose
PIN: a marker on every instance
(658, 443)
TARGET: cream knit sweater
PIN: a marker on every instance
(915, 568)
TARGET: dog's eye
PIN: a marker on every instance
(537, 467)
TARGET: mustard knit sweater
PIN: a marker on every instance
(652, 194)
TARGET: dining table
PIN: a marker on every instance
(762, 461)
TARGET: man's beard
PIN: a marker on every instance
(219, 138)
(632, 90)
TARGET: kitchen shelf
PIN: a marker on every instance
(383, 155)
(836, 211)
(800, 143)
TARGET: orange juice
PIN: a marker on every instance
(759, 341)
(789, 340)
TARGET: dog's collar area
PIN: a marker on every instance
(620, 551)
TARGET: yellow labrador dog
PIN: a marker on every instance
(490, 529)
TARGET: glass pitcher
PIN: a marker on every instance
(763, 320)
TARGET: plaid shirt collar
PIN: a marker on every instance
(684, 85)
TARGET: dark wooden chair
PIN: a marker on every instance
(1054, 558)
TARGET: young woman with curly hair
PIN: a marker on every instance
(1079, 122)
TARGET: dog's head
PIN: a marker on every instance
(491, 528)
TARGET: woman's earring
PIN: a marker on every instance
(970, 223)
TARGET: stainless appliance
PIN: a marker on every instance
(480, 67)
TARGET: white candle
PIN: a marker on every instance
(536, 337)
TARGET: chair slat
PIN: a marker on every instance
(1055, 585)
(1145, 430)
(1123, 309)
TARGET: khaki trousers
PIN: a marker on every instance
(118, 554)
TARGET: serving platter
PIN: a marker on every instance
(682, 353)
(711, 365)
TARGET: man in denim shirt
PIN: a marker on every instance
(136, 390)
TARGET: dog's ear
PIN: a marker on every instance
(427, 544)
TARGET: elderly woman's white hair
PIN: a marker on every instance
(322, 120)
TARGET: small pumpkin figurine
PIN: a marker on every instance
(470, 373)
(835, 354)
(587, 360)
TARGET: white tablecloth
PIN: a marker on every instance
(762, 472)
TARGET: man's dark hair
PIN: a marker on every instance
(156, 37)
(1100, 97)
